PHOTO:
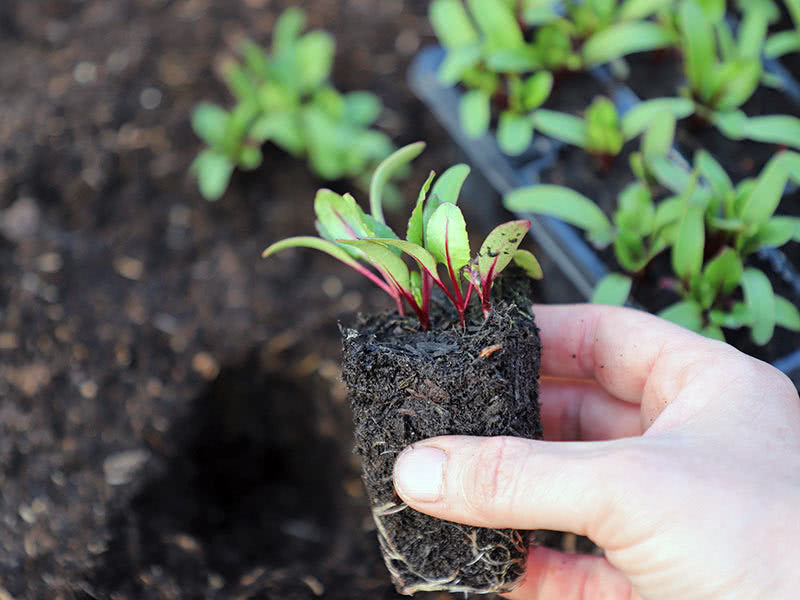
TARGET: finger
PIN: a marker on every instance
(512, 482)
(574, 410)
(634, 356)
(553, 575)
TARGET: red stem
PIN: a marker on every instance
(487, 287)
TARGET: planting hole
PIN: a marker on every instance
(254, 482)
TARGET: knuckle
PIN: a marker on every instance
(491, 479)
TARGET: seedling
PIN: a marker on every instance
(602, 132)
(723, 71)
(488, 53)
(594, 32)
(284, 96)
(706, 217)
(436, 235)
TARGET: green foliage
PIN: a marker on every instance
(505, 52)
(708, 225)
(285, 97)
(723, 71)
(436, 236)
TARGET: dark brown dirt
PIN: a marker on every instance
(406, 385)
(171, 421)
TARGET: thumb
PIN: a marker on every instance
(506, 482)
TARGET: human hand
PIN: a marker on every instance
(676, 454)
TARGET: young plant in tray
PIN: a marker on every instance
(406, 383)
(706, 217)
(436, 235)
(602, 132)
(489, 54)
(723, 71)
(284, 96)
(712, 217)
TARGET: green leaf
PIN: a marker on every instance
(686, 313)
(514, 133)
(314, 59)
(732, 124)
(415, 251)
(497, 22)
(249, 158)
(284, 129)
(603, 133)
(673, 177)
(451, 24)
(474, 112)
(414, 232)
(209, 122)
(668, 211)
(687, 253)
(456, 63)
(255, 58)
(698, 46)
(385, 171)
(499, 247)
(633, 10)
(734, 83)
(622, 39)
(314, 243)
(528, 263)
(766, 195)
(635, 209)
(521, 59)
(361, 108)
(714, 10)
(774, 129)
(561, 126)
(446, 189)
(658, 138)
(340, 216)
(562, 203)
(760, 300)
(288, 28)
(739, 316)
(713, 173)
(784, 42)
(536, 89)
(213, 170)
(629, 250)
(714, 332)
(538, 12)
(613, 289)
(786, 314)
(752, 29)
(639, 118)
(724, 272)
(446, 236)
(385, 260)
(776, 232)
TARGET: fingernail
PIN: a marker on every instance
(418, 473)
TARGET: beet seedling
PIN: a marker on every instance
(285, 97)
(436, 236)
(724, 71)
(602, 132)
(706, 216)
(488, 53)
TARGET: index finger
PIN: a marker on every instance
(618, 347)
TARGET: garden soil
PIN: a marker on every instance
(172, 420)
